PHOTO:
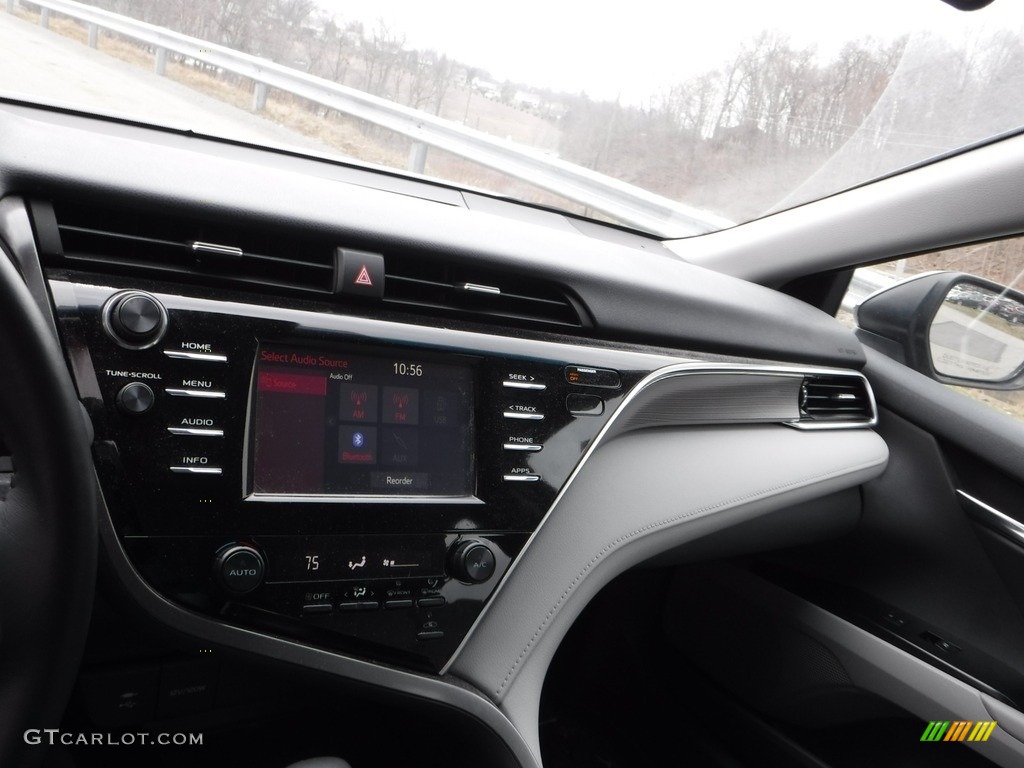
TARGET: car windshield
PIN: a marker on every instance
(671, 119)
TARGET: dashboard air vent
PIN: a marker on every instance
(171, 246)
(481, 295)
(6, 470)
(827, 399)
(237, 254)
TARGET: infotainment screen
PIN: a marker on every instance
(367, 424)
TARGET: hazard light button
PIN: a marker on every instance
(359, 273)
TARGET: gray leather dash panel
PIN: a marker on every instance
(640, 494)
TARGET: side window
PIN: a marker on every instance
(998, 318)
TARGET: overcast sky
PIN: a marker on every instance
(639, 47)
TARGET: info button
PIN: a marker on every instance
(400, 482)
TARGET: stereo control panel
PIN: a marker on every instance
(356, 484)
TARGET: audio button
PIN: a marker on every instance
(195, 432)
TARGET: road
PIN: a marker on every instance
(42, 66)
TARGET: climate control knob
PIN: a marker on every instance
(239, 568)
(135, 319)
(472, 562)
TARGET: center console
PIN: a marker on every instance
(356, 484)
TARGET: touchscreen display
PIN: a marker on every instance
(330, 423)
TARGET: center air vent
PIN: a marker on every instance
(255, 256)
(6, 470)
(169, 246)
(828, 399)
(479, 294)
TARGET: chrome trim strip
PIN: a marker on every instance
(610, 430)
(477, 288)
(216, 248)
(208, 357)
(209, 394)
(75, 296)
(191, 432)
(521, 478)
(378, 499)
(523, 416)
(992, 518)
(528, 447)
(197, 470)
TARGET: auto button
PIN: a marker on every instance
(239, 568)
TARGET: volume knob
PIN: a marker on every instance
(135, 319)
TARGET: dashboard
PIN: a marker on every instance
(398, 432)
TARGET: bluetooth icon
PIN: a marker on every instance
(358, 440)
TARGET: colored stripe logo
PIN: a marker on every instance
(958, 730)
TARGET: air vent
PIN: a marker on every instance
(6, 470)
(170, 246)
(832, 399)
(146, 243)
(482, 295)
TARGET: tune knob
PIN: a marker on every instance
(135, 319)
(239, 568)
(135, 398)
(472, 562)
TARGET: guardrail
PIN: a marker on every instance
(866, 281)
(617, 199)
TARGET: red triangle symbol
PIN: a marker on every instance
(363, 278)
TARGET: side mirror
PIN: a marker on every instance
(956, 328)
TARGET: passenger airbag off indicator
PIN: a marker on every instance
(359, 273)
(592, 377)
